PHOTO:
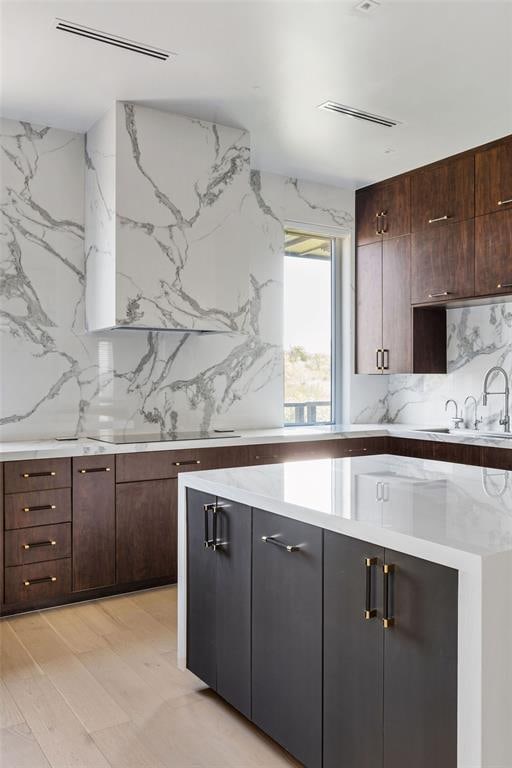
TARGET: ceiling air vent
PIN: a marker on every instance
(342, 109)
(105, 37)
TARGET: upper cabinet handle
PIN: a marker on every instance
(384, 214)
(281, 544)
(439, 218)
(93, 469)
(185, 463)
(437, 295)
(38, 474)
(505, 202)
(385, 359)
(378, 230)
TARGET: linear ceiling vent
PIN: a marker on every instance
(118, 42)
(342, 109)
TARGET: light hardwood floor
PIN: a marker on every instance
(96, 686)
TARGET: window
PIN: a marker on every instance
(309, 280)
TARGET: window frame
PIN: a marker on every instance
(340, 246)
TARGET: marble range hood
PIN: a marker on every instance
(168, 236)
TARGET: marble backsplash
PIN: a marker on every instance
(478, 338)
(57, 379)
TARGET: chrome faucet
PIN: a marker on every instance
(457, 421)
(504, 417)
(476, 421)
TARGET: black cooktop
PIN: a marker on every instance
(120, 438)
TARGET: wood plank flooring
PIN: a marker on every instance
(96, 686)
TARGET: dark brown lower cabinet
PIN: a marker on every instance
(219, 596)
(146, 531)
(390, 693)
(287, 634)
(94, 522)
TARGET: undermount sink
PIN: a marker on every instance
(468, 433)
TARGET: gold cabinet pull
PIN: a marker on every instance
(39, 508)
(49, 543)
(388, 619)
(26, 475)
(369, 564)
(45, 580)
(93, 469)
(186, 463)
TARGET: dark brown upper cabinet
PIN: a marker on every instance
(443, 193)
(384, 320)
(443, 263)
(383, 211)
(493, 169)
(493, 253)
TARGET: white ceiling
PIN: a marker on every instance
(442, 68)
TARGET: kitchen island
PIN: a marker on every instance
(359, 610)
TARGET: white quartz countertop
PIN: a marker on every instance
(47, 448)
(441, 511)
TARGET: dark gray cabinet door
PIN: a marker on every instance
(287, 635)
(219, 597)
(420, 665)
(201, 593)
(233, 557)
(353, 653)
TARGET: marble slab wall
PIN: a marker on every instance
(58, 379)
(478, 338)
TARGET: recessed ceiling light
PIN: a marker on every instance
(343, 109)
(109, 39)
(366, 6)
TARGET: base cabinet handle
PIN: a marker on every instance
(40, 508)
(369, 611)
(280, 544)
(388, 619)
(504, 285)
(505, 202)
(49, 543)
(27, 475)
(93, 469)
(439, 218)
(45, 580)
(185, 463)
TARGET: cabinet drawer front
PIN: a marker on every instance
(493, 253)
(37, 475)
(35, 545)
(443, 194)
(38, 582)
(24, 510)
(159, 465)
(494, 179)
(443, 263)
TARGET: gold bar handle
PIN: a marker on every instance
(49, 543)
(505, 202)
(38, 474)
(46, 580)
(388, 619)
(369, 612)
(93, 469)
(40, 508)
(186, 463)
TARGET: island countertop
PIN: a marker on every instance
(441, 511)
